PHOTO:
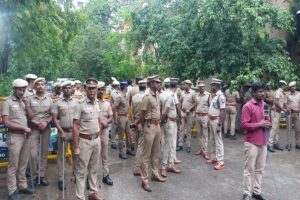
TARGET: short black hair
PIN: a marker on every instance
(173, 85)
(129, 82)
(257, 86)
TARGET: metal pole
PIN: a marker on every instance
(289, 145)
(63, 172)
(40, 157)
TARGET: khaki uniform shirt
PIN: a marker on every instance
(136, 104)
(105, 109)
(133, 91)
(231, 97)
(41, 107)
(88, 114)
(293, 100)
(122, 104)
(279, 94)
(187, 99)
(170, 101)
(65, 110)
(218, 102)
(203, 102)
(29, 92)
(14, 109)
(151, 105)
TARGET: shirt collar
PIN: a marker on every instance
(253, 101)
(14, 98)
(37, 97)
(64, 99)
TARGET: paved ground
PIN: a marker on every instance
(198, 180)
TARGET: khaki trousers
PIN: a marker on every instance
(87, 166)
(104, 151)
(151, 151)
(170, 133)
(230, 117)
(255, 161)
(274, 132)
(295, 118)
(203, 132)
(139, 145)
(19, 153)
(35, 142)
(217, 149)
(125, 141)
(114, 133)
(68, 140)
(185, 129)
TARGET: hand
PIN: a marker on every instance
(183, 110)
(24, 99)
(43, 125)
(27, 130)
(76, 151)
(264, 124)
(104, 124)
(62, 136)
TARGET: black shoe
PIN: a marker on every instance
(28, 190)
(246, 197)
(289, 147)
(61, 185)
(122, 156)
(188, 149)
(13, 196)
(258, 196)
(226, 135)
(271, 148)
(131, 153)
(107, 180)
(179, 148)
(113, 146)
(43, 181)
(278, 147)
(297, 146)
(232, 137)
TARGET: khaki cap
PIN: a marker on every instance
(142, 82)
(167, 80)
(19, 83)
(91, 82)
(188, 82)
(101, 84)
(65, 83)
(282, 81)
(216, 81)
(31, 76)
(77, 82)
(293, 83)
(113, 79)
(57, 85)
(174, 80)
(154, 78)
(40, 79)
(115, 83)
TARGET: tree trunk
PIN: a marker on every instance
(4, 58)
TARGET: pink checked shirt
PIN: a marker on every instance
(252, 114)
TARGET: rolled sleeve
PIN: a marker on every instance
(5, 109)
(77, 112)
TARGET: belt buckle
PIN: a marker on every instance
(94, 136)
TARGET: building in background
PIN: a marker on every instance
(76, 4)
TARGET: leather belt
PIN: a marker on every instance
(123, 115)
(172, 119)
(68, 130)
(213, 117)
(88, 137)
(231, 104)
(155, 121)
(202, 114)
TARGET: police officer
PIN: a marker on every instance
(39, 115)
(30, 88)
(87, 145)
(135, 89)
(150, 120)
(106, 118)
(136, 110)
(113, 95)
(203, 100)
(279, 105)
(170, 111)
(216, 113)
(63, 113)
(232, 97)
(14, 118)
(188, 103)
(57, 91)
(293, 103)
(77, 88)
(120, 110)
